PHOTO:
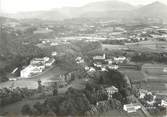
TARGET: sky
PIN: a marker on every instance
(13, 6)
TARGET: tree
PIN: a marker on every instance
(75, 103)
(148, 97)
(55, 92)
(41, 108)
(26, 110)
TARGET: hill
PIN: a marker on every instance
(153, 10)
(107, 6)
(96, 9)
(104, 9)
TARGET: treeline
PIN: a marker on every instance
(149, 57)
(75, 103)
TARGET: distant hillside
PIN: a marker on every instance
(105, 9)
(96, 8)
(153, 10)
(6, 19)
(107, 6)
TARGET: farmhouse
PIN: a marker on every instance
(39, 60)
(92, 69)
(86, 68)
(130, 108)
(111, 91)
(164, 102)
(110, 61)
(120, 59)
(115, 67)
(142, 93)
(54, 54)
(29, 71)
(103, 69)
(79, 60)
(99, 57)
(98, 64)
(50, 62)
(37, 65)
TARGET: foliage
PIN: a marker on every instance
(26, 110)
(148, 57)
(9, 96)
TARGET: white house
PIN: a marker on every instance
(54, 44)
(92, 69)
(164, 103)
(97, 65)
(39, 60)
(37, 65)
(29, 70)
(130, 108)
(50, 62)
(103, 69)
(79, 60)
(110, 61)
(26, 73)
(36, 70)
(165, 69)
(54, 53)
(111, 90)
(142, 93)
(86, 68)
(119, 59)
(115, 67)
(100, 57)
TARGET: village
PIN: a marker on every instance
(84, 66)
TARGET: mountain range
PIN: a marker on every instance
(104, 9)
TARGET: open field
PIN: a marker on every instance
(113, 47)
(155, 72)
(134, 75)
(116, 113)
(25, 83)
(154, 86)
(148, 46)
(155, 69)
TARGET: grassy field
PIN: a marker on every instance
(157, 87)
(116, 113)
(154, 69)
(134, 75)
(113, 47)
(150, 46)
(25, 83)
